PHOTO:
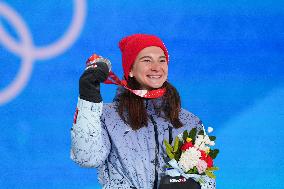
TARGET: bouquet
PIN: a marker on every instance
(192, 156)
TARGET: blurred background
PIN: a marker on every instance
(226, 59)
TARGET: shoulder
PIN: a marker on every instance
(189, 119)
(111, 118)
(109, 107)
(109, 110)
(113, 123)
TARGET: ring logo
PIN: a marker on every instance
(26, 49)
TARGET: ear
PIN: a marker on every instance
(130, 74)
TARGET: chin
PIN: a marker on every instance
(156, 86)
(148, 84)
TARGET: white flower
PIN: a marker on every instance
(207, 139)
(201, 166)
(189, 159)
(210, 130)
(212, 143)
(203, 147)
(202, 142)
(180, 137)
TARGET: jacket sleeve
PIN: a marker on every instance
(90, 143)
(208, 183)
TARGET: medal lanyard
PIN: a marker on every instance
(113, 79)
(156, 93)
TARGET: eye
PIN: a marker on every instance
(163, 60)
(146, 60)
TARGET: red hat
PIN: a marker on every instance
(130, 47)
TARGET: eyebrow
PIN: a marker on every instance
(151, 57)
(145, 57)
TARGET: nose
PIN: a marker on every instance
(155, 66)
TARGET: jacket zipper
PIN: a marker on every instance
(156, 151)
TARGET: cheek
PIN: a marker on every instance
(139, 68)
(140, 74)
(165, 68)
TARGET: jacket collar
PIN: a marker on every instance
(153, 106)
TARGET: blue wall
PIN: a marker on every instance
(226, 59)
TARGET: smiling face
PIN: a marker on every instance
(150, 68)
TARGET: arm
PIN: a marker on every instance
(90, 143)
(89, 139)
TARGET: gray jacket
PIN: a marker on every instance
(125, 158)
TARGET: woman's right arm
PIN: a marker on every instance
(90, 143)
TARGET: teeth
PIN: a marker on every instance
(154, 76)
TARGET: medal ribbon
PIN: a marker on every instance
(113, 79)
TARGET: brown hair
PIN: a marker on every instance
(131, 108)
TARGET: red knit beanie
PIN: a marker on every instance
(130, 47)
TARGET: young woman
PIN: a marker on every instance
(124, 139)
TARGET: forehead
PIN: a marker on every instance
(152, 50)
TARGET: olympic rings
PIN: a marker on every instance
(28, 52)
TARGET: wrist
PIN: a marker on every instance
(94, 99)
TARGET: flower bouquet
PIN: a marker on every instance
(191, 158)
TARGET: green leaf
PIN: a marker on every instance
(213, 153)
(212, 138)
(177, 155)
(213, 168)
(176, 144)
(192, 134)
(185, 135)
(191, 171)
(195, 170)
(168, 146)
(201, 132)
(167, 166)
(210, 174)
(169, 153)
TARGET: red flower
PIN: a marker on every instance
(209, 161)
(186, 145)
(206, 158)
(203, 154)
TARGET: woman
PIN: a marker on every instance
(124, 139)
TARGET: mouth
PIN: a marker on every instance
(154, 76)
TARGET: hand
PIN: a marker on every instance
(89, 83)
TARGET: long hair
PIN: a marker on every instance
(132, 110)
